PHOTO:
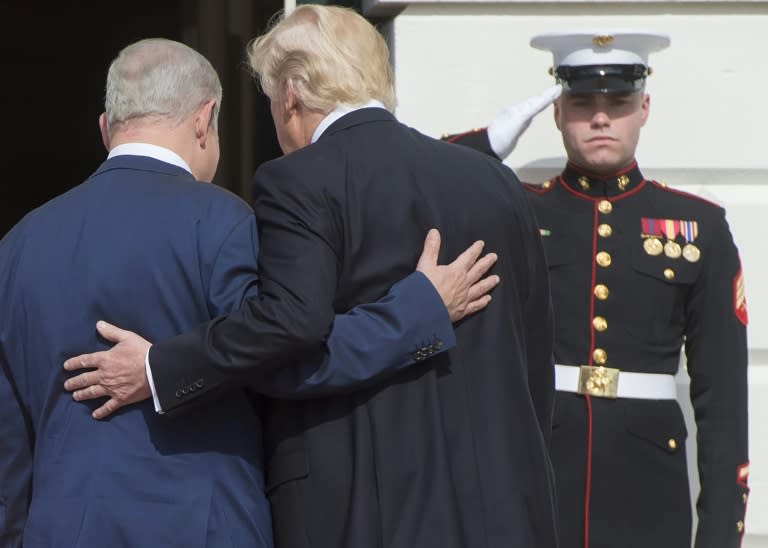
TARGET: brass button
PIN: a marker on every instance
(603, 259)
(605, 206)
(623, 182)
(546, 184)
(669, 274)
(584, 182)
(599, 323)
(672, 444)
(599, 356)
(740, 526)
(601, 292)
(604, 230)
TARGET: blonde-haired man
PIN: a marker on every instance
(148, 243)
(451, 453)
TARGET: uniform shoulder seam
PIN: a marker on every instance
(685, 194)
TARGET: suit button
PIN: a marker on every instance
(669, 274)
(740, 526)
(178, 393)
(599, 323)
(601, 292)
(599, 356)
(672, 444)
(603, 259)
(605, 206)
(604, 230)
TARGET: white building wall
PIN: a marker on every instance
(458, 63)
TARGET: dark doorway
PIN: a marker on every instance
(55, 59)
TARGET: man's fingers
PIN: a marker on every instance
(112, 332)
(540, 102)
(469, 256)
(107, 409)
(84, 361)
(78, 382)
(431, 250)
(482, 266)
(90, 393)
(479, 289)
(477, 305)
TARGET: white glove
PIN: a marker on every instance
(507, 127)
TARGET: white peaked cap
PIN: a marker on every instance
(601, 47)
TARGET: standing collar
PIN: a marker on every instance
(337, 113)
(153, 151)
(584, 182)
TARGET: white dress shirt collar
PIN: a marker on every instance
(153, 151)
(337, 113)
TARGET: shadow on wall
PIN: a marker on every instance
(539, 170)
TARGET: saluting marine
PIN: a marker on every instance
(638, 271)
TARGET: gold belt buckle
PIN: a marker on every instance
(601, 382)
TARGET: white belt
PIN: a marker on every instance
(606, 382)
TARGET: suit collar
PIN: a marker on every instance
(357, 117)
(142, 163)
(337, 113)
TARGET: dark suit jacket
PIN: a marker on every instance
(448, 453)
(145, 246)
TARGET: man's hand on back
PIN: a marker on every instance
(460, 284)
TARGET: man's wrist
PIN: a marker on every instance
(151, 382)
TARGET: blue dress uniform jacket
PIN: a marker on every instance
(639, 271)
(451, 453)
(144, 245)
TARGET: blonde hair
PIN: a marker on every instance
(327, 55)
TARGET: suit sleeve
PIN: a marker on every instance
(476, 139)
(15, 461)
(289, 321)
(369, 343)
(716, 350)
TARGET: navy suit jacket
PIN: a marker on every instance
(143, 245)
(450, 453)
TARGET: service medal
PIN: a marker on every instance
(691, 253)
(653, 246)
(672, 249)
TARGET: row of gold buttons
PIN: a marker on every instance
(603, 259)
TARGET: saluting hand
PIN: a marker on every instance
(510, 123)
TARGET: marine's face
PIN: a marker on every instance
(601, 130)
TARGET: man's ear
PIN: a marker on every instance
(204, 122)
(556, 113)
(291, 102)
(104, 130)
(645, 107)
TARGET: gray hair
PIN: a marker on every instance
(159, 77)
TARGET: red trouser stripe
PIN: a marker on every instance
(588, 482)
